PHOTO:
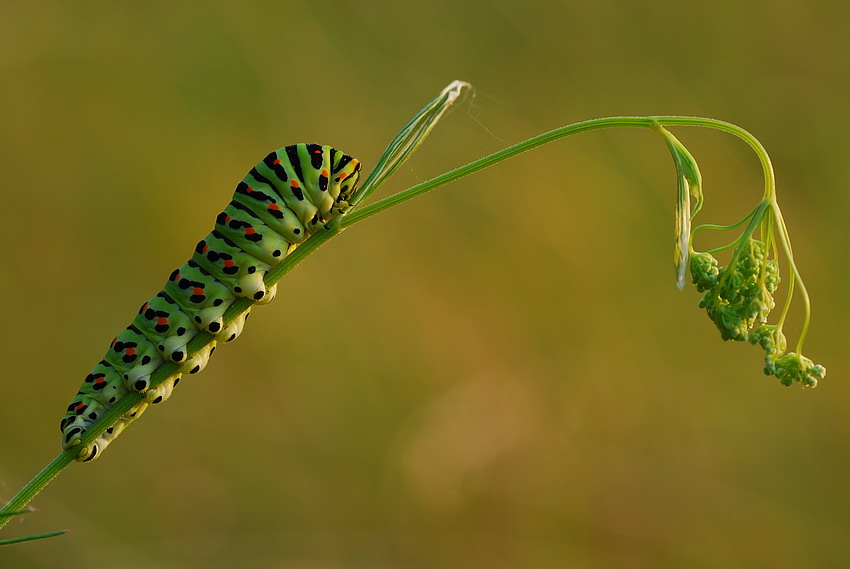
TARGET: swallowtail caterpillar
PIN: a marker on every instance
(292, 193)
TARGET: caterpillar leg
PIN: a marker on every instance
(271, 293)
(199, 360)
(251, 285)
(232, 331)
(162, 391)
(91, 451)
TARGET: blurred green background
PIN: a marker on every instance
(500, 374)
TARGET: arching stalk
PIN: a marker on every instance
(404, 144)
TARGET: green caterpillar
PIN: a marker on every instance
(292, 193)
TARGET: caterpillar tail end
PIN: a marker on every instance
(88, 453)
(92, 450)
(75, 428)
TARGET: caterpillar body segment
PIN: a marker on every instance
(238, 223)
(132, 353)
(161, 320)
(223, 258)
(104, 384)
(269, 207)
(290, 195)
(200, 295)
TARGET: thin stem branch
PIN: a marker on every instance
(724, 227)
(37, 484)
(17, 540)
(785, 239)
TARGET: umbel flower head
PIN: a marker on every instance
(788, 367)
(739, 297)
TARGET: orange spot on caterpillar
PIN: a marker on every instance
(294, 184)
(277, 161)
(325, 173)
(79, 406)
(228, 263)
(249, 189)
(343, 175)
(250, 231)
(162, 320)
(197, 290)
(130, 351)
(274, 206)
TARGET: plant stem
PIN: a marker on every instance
(428, 116)
(37, 484)
(807, 307)
(594, 124)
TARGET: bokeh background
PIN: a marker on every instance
(500, 374)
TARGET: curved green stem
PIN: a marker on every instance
(752, 141)
(401, 149)
(367, 211)
(743, 220)
(594, 124)
(733, 243)
(785, 239)
(726, 247)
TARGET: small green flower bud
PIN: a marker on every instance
(704, 271)
(770, 338)
(795, 367)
